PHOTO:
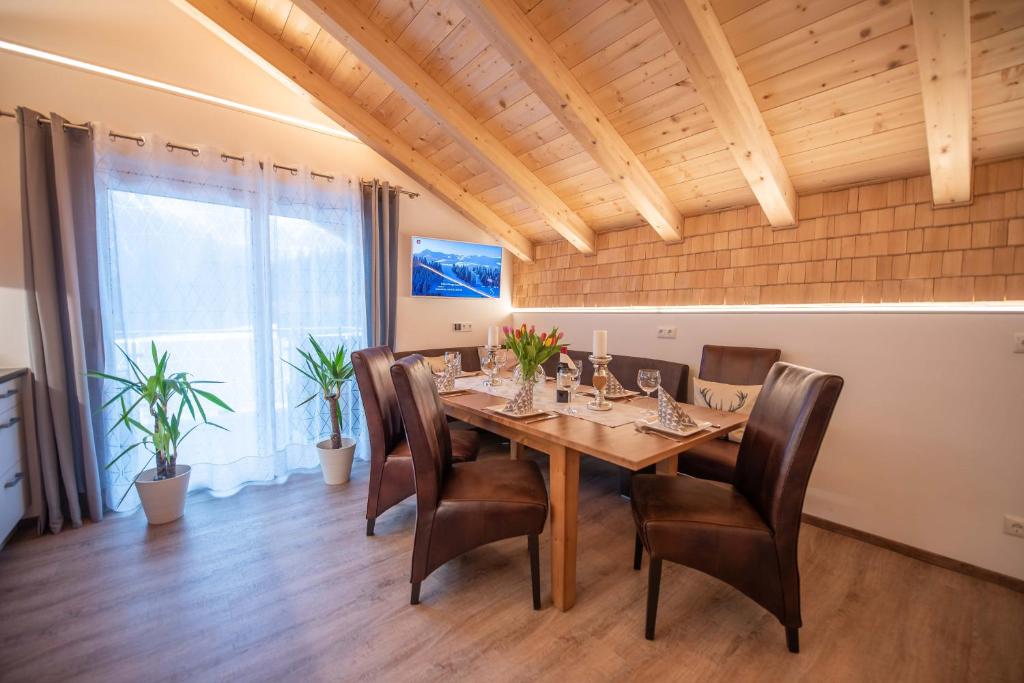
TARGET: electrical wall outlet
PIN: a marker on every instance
(462, 327)
(666, 333)
(1013, 526)
(1018, 342)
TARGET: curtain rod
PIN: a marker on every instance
(194, 151)
(397, 188)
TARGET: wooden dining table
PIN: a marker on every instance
(565, 439)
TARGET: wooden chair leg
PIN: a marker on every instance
(638, 554)
(793, 639)
(415, 597)
(653, 586)
(369, 526)
(534, 546)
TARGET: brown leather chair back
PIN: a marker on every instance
(426, 428)
(737, 364)
(781, 442)
(380, 403)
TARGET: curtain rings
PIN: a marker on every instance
(194, 151)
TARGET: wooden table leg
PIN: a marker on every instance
(516, 450)
(669, 465)
(564, 464)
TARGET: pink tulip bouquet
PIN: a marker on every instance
(531, 349)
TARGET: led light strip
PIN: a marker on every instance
(993, 307)
(45, 56)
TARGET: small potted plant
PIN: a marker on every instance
(165, 396)
(329, 372)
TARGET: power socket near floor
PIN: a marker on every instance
(1014, 526)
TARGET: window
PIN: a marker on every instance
(228, 267)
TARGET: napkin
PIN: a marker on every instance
(446, 382)
(522, 402)
(614, 388)
(671, 413)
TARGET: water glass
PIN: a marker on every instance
(453, 361)
(575, 375)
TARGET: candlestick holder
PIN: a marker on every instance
(600, 364)
(491, 366)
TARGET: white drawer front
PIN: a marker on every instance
(10, 395)
(12, 499)
(10, 441)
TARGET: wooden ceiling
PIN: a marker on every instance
(556, 119)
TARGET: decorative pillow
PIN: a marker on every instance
(732, 398)
(436, 363)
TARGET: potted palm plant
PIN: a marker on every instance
(329, 371)
(164, 396)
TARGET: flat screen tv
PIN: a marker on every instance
(455, 269)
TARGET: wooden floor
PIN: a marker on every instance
(280, 583)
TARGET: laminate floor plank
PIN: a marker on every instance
(280, 583)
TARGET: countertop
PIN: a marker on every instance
(11, 373)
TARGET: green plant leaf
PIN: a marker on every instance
(215, 400)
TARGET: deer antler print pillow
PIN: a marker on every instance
(732, 398)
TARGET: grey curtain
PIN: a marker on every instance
(380, 249)
(61, 280)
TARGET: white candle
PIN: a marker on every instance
(600, 343)
(492, 335)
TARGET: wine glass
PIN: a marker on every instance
(648, 380)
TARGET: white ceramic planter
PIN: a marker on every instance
(163, 500)
(336, 463)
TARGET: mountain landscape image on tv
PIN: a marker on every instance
(455, 269)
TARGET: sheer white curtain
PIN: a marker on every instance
(315, 286)
(226, 265)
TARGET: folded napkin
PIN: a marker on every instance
(446, 382)
(671, 413)
(522, 402)
(614, 388)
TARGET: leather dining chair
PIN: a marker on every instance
(744, 365)
(391, 469)
(744, 534)
(461, 506)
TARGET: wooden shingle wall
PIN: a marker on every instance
(874, 243)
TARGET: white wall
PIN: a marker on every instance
(152, 38)
(13, 313)
(926, 446)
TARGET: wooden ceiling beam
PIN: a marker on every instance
(536, 62)
(346, 23)
(698, 39)
(942, 31)
(240, 32)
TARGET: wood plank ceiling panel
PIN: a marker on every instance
(268, 52)
(836, 80)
